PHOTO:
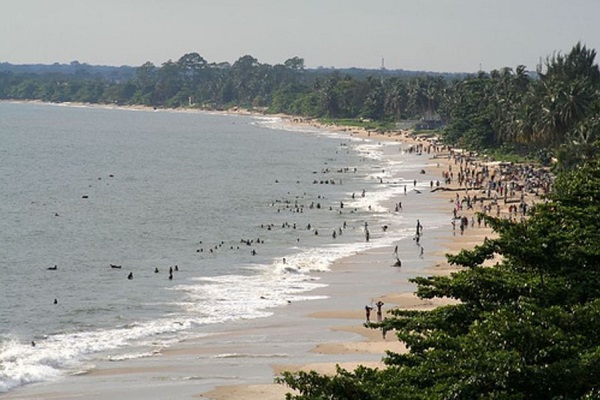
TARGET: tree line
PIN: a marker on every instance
(555, 108)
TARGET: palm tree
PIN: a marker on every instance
(392, 101)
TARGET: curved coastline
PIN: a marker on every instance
(127, 361)
(332, 326)
(368, 341)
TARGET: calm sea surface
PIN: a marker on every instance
(224, 198)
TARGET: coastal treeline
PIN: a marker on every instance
(552, 112)
(525, 328)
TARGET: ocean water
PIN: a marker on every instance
(244, 206)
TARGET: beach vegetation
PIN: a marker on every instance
(505, 111)
(555, 108)
(523, 328)
(362, 123)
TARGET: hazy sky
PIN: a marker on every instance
(434, 35)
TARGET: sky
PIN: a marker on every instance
(425, 35)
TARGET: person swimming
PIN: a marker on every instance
(130, 276)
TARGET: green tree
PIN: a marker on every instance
(168, 85)
(471, 113)
(244, 78)
(396, 98)
(145, 81)
(294, 63)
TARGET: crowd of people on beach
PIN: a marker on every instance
(480, 187)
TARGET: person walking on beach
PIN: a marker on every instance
(368, 313)
(379, 304)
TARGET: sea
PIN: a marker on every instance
(125, 230)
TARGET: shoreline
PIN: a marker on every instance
(337, 326)
(371, 341)
(173, 363)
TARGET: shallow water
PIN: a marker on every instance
(82, 188)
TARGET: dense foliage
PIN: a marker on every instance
(526, 328)
(554, 111)
(558, 111)
(193, 82)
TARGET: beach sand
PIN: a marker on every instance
(309, 335)
(371, 341)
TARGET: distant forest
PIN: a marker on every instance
(552, 112)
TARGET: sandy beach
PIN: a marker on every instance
(309, 335)
(448, 240)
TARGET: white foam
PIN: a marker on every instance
(22, 364)
(133, 356)
(284, 124)
(217, 299)
(279, 123)
(370, 150)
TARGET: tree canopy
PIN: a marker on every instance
(554, 111)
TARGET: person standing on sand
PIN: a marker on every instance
(368, 313)
(379, 304)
